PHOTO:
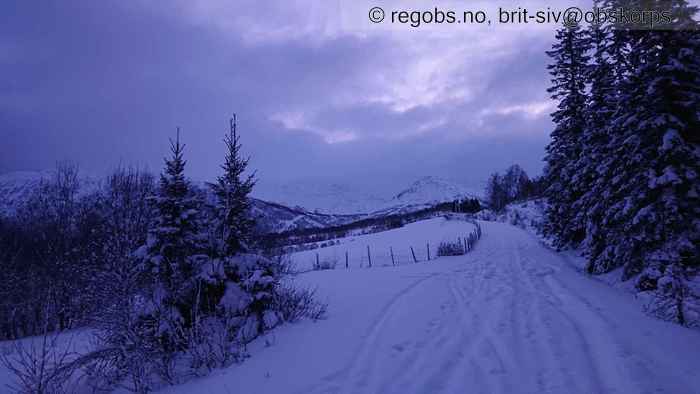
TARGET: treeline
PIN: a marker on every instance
(513, 185)
(165, 273)
(623, 166)
(465, 205)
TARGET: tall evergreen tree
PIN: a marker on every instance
(601, 108)
(256, 275)
(656, 191)
(232, 191)
(174, 249)
(569, 71)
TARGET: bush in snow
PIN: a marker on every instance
(325, 264)
(447, 248)
(294, 303)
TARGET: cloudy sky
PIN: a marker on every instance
(320, 91)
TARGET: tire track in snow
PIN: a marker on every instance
(356, 374)
(510, 320)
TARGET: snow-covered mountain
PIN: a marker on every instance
(273, 217)
(337, 198)
(295, 206)
(16, 187)
(432, 190)
(327, 197)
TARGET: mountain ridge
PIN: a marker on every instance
(277, 216)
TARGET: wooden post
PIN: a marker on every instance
(414, 255)
(466, 249)
(318, 266)
(346, 259)
(427, 245)
(391, 250)
(369, 257)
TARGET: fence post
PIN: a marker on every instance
(391, 250)
(427, 245)
(369, 257)
(318, 266)
(466, 249)
(414, 255)
(346, 259)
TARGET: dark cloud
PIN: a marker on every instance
(107, 82)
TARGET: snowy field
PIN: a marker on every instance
(510, 317)
(420, 236)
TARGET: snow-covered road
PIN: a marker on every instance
(510, 317)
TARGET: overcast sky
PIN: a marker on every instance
(319, 90)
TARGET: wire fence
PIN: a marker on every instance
(387, 256)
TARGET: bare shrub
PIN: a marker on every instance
(447, 248)
(295, 303)
(326, 264)
(38, 366)
(212, 344)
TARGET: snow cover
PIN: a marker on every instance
(417, 235)
(324, 197)
(509, 317)
(342, 199)
(528, 215)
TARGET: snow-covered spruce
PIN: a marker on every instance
(639, 157)
(569, 71)
(199, 291)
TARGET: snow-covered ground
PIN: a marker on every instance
(509, 317)
(417, 235)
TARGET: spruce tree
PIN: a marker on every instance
(569, 71)
(656, 192)
(174, 251)
(232, 191)
(256, 275)
(602, 105)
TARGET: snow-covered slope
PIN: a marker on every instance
(431, 190)
(273, 217)
(509, 317)
(321, 197)
(342, 199)
(528, 215)
(422, 236)
(16, 187)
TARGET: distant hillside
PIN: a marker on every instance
(335, 198)
(15, 187)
